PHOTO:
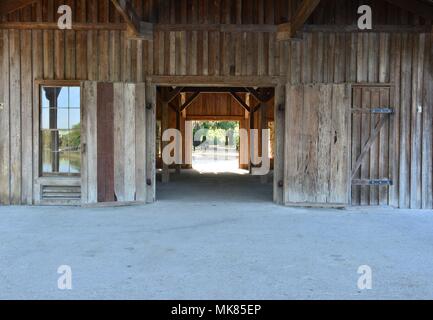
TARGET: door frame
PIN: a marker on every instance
(277, 82)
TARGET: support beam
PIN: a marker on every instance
(7, 6)
(262, 94)
(168, 95)
(288, 30)
(137, 29)
(263, 126)
(187, 102)
(417, 7)
(164, 127)
(242, 103)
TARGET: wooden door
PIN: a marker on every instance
(372, 145)
(317, 145)
(114, 143)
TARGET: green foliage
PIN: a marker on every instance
(218, 130)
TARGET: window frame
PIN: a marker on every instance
(39, 84)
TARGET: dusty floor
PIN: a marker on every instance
(236, 245)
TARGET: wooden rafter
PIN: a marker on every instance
(167, 95)
(241, 102)
(288, 30)
(263, 95)
(137, 28)
(7, 6)
(189, 101)
(420, 8)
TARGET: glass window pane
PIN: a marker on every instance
(63, 98)
(74, 140)
(62, 118)
(45, 118)
(48, 96)
(64, 140)
(74, 97)
(60, 130)
(50, 140)
(75, 162)
(74, 118)
(47, 161)
(63, 162)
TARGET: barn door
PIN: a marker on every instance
(114, 143)
(371, 145)
(317, 145)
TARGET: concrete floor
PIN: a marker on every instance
(235, 246)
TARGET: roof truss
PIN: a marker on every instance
(137, 29)
(7, 6)
(420, 8)
(288, 30)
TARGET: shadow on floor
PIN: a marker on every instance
(193, 186)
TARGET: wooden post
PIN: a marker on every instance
(251, 136)
(151, 143)
(263, 126)
(164, 125)
(279, 155)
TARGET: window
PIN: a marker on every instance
(60, 131)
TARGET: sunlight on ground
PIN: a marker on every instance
(217, 160)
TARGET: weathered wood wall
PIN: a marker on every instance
(317, 144)
(114, 165)
(402, 59)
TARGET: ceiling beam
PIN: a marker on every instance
(7, 6)
(420, 8)
(288, 30)
(137, 29)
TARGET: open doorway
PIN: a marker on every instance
(216, 147)
(213, 128)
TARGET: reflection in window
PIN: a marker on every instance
(60, 131)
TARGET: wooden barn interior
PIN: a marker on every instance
(82, 108)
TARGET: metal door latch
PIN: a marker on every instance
(2, 105)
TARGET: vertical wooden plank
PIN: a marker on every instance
(374, 150)
(119, 144)
(130, 96)
(356, 141)
(81, 55)
(15, 116)
(427, 138)
(105, 142)
(48, 54)
(324, 145)
(89, 172)
(340, 145)
(27, 117)
(165, 125)
(280, 137)
(405, 100)
(416, 118)
(395, 76)
(70, 55)
(384, 146)
(151, 142)
(4, 119)
(59, 54)
(140, 142)
(37, 62)
(365, 134)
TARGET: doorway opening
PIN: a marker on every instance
(216, 147)
(223, 150)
